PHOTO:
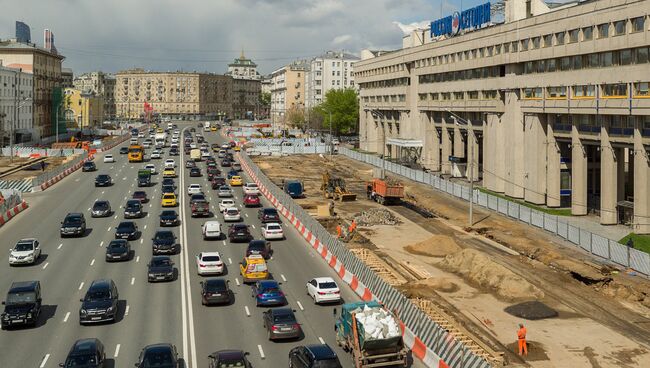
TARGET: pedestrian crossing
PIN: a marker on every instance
(24, 185)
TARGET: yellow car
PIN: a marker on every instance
(213, 128)
(237, 149)
(168, 200)
(253, 268)
(160, 130)
(236, 181)
(169, 173)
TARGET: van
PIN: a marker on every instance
(23, 304)
(195, 154)
(211, 230)
(253, 268)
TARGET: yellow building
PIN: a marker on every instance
(83, 110)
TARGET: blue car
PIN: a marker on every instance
(232, 173)
(268, 293)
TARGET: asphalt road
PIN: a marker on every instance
(151, 313)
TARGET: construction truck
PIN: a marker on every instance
(372, 334)
(385, 191)
(334, 188)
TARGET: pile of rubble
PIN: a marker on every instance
(376, 216)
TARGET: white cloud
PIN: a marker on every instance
(408, 28)
(342, 39)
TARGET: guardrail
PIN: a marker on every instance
(593, 243)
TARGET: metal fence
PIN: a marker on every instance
(11, 198)
(288, 146)
(435, 337)
(593, 243)
(40, 152)
(37, 181)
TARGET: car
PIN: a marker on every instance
(156, 154)
(193, 146)
(109, 158)
(159, 355)
(239, 233)
(215, 147)
(100, 303)
(324, 290)
(272, 231)
(232, 173)
(281, 323)
(174, 139)
(252, 200)
(236, 181)
(101, 209)
(216, 291)
(211, 230)
(267, 293)
(221, 154)
(85, 353)
(141, 196)
(231, 214)
(226, 203)
(173, 151)
(168, 189)
(124, 150)
(209, 263)
(126, 230)
(195, 172)
(213, 169)
(170, 164)
(236, 148)
(226, 163)
(199, 205)
(164, 242)
(169, 173)
(160, 268)
(268, 215)
(133, 209)
(194, 189)
(168, 200)
(190, 164)
(140, 135)
(224, 191)
(103, 180)
(228, 358)
(314, 356)
(169, 218)
(236, 166)
(73, 224)
(253, 268)
(205, 154)
(168, 181)
(227, 146)
(261, 247)
(217, 182)
(147, 143)
(118, 250)
(26, 251)
(251, 188)
(88, 166)
(22, 305)
(151, 167)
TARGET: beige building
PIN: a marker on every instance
(83, 110)
(288, 90)
(243, 68)
(554, 104)
(99, 84)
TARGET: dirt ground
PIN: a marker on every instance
(603, 315)
(51, 164)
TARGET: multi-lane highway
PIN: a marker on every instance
(150, 313)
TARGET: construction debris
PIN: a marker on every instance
(381, 268)
(376, 216)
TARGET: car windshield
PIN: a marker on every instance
(100, 294)
(158, 359)
(215, 286)
(327, 285)
(116, 244)
(226, 189)
(273, 227)
(168, 196)
(165, 235)
(81, 361)
(168, 214)
(100, 205)
(256, 245)
(270, 212)
(283, 318)
(125, 226)
(72, 220)
(21, 297)
(24, 246)
(227, 363)
(139, 194)
(232, 212)
(210, 258)
(160, 262)
(102, 177)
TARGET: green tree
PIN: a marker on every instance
(295, 118)
(265, 99)
(343, 107)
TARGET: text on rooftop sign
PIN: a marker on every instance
(471, 18)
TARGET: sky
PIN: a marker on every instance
(206, 35)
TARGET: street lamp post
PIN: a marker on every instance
(470, 127)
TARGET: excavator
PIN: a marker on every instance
(334, 188)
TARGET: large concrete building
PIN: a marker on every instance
(67, 78)
(288, 90)
(82, 109)
(99, 84)
(245, 98)
(243, 68)
(554, 103)
(331, 70)
(16, 87)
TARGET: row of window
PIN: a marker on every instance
(476, 73)
(613, 90)
(591, 124)
(396, 82)
(606, 59)
(386, 98)
(469, 95)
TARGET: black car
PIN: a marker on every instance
(261, 247)
(168, 182)
(281, 323)
(88, 166)
(168, 218)
(103, 180)
(192, 130)
(124, 150)
(313, 356)
(168, 189)
(159, 355)
(268, 215)
(118, 250)
(160, 268)
(100, 302)
(195, 172)
(73, 224)
(174, 151)
(164, 242)
(239, 233)
(126, 230)
(87, 353)
(229, 358)
(101, 209)
(22, 305)
(216, 291)
(218, 182)
(226, 163)
(133, 209)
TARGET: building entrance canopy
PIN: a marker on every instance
(406, 143)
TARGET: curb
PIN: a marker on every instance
(418, 348)
(11, 213)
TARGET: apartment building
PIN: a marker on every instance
(99, 84)
(67, 78)
(288, 90)
(83, 109)
(243, 68)
(245, 98)
(331, 70)
(15, 111)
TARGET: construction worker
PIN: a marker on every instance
(339, 230)
(521, 337)
(352, 227)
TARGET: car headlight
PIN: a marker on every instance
(83, 311)
(29, 315)
(109, 310)
(151, 275)
(171, 273)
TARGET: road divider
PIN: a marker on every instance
(12, 212)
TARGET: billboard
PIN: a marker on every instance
(473, 18)
(23, 33)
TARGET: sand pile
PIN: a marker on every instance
(435, 246)
(376, 216)
(484, 272)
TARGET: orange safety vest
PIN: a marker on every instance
(521, 334)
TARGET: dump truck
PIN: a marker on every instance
(334, 188)
(144, 178)
(385, 191)
(372, 334)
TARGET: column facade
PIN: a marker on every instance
(641, 184)
(511, 139)
(608, 179)
(578, 174)
(472, 155)
(535, 158)
(446, 147)
(552, 166)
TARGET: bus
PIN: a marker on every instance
(136, 153)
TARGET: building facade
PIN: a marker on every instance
(15, 112)
(554, 104)
(67, 78)
(83, 110)
(331, 70)
(243, 68)
(245, 98)
(99, 84)
(288, 90)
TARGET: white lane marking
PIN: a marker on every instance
(45, 265)
(117, 351)
(141, 241)
(137, 259)
(224, 242)
(253, 226)
(92, 262)
(103, 191)
(246, 214)
(229, 261)
(45, 358)
(88, 209)
(101, 244)
(77, 179)
(150, 205)
(132, 280)
(67, 315)
(60, 245)
(132, 185)
(145, 227)
(321, 340)
(124, 178)
(300, 305)
(248, 312)
(125, 197)
(81, 285)
(109, 228)
(115, 217)
(259, 347)
(237, 281)
(126, 311)
(283, 278)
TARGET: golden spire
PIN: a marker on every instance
(242, 57)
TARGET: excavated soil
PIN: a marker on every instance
(436, 246)
(426, 289)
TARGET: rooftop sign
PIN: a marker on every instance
(473, 18)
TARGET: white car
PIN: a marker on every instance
(251, 188)
(26, 251)
(205, 154)
(109, 158)
(174, 140)
(225, 146)
(221, 154)
(209, 263)
(224, 191)
(157, 154)
(323, 289)
(194, 189)
(272, 230)
(170, 163)
(211, 230)
(231, 214)
(226, 203)
(193, 145)
(141, 135)
(151, 167)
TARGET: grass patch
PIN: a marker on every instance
(641, 242)
(550, 211)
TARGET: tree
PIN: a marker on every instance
(343, 107)
(295, 118)
(265, 98)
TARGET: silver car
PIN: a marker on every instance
(26, 251)
(224, 191)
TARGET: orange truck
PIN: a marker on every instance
(384, 192)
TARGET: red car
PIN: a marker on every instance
(251, 200)
(232, 144)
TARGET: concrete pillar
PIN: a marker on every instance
(578, 174)
(472, 142)
(535, 158)
(641, 184)
(365, 118)
(552, 166)
(608, 179)
(620, 173)
(494, 154)
(432, 144)
(446, 147)
(511, 137)
(459, 142)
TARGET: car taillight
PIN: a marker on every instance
(296, 326)
(337, 292)
(219, 263)
(260, 295)
(274, 328)
(201, 265)
(281, 293)
(322, 293)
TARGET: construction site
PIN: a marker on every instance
(478, 282)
